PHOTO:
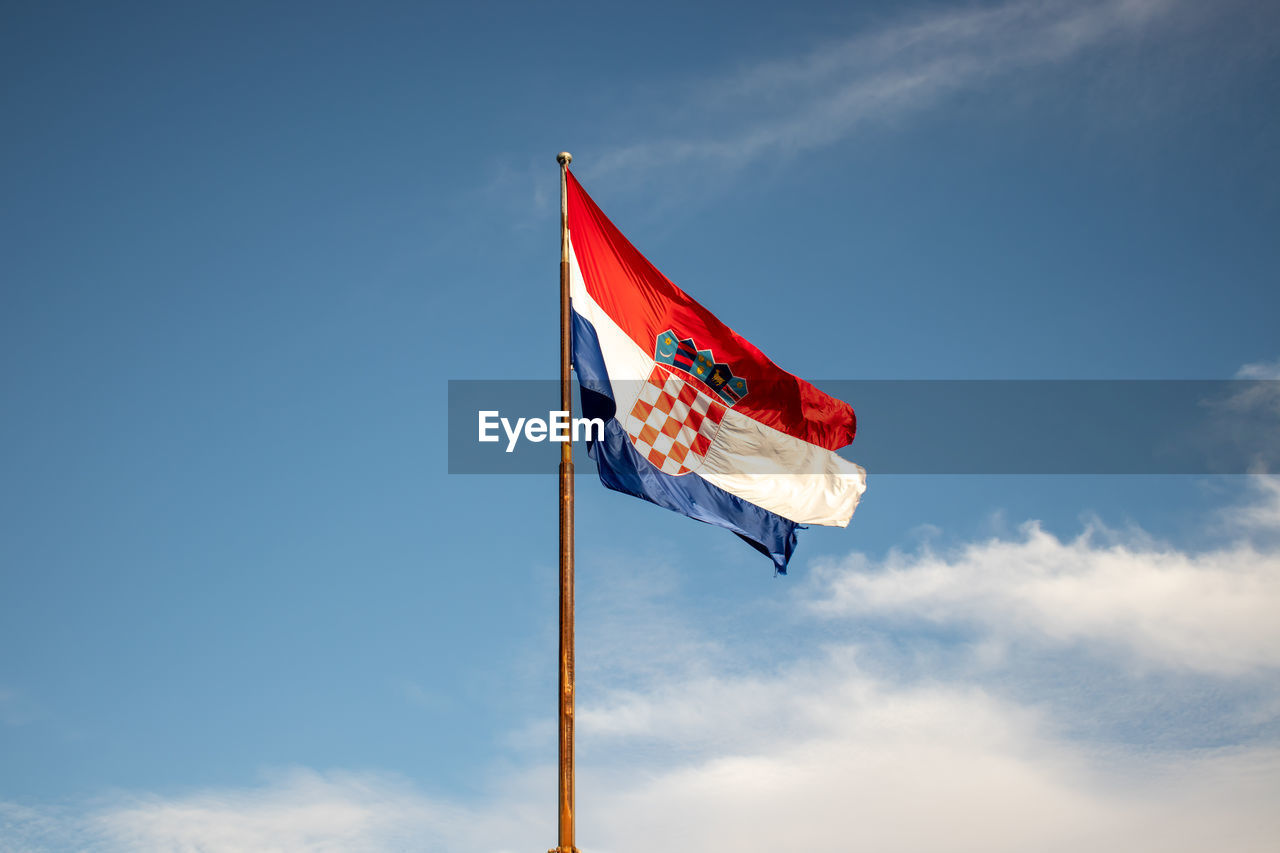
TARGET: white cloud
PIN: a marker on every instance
(297, 810)
(862, 764)
(1211, 612)
(930, 769)
(1259, 395)
(1263, 514)
(1243, 422)
(16, 709)
(820, 748)
(1260, 370)
(300, 811)
(785, 107)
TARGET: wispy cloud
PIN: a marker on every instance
(1262, 395)
(301, 810)
(787, 106)
(298, 810)
(16, 708)
(1249, 416)
(1260, 370)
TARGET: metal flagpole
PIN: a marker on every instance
(564, 158)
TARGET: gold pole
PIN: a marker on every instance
(564, 158)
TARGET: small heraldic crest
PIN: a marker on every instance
(678, 410)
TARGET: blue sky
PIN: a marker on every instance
(243, 605)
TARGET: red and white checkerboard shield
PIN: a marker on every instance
(673, 421)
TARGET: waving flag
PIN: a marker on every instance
(697, 419)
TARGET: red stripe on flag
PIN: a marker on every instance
(644, 303)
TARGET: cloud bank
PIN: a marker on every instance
(1211, 612)
(826, 747)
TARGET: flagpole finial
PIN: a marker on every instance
(564, 158)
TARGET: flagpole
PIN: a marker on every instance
(566, 787)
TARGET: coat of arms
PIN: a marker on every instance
(678, 410)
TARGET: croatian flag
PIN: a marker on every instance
(696, 418)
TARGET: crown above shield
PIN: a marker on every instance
(683, 354)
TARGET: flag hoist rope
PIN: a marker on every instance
(565, 844)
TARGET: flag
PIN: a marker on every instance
(697, 419)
